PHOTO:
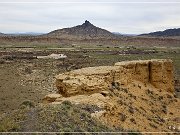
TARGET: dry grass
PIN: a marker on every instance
(52, 118)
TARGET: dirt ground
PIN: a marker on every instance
(24, 77)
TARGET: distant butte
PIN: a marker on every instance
(85, 31)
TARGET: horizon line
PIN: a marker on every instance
(28, 32)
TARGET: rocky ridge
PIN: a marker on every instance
(136, 95)
(165, 33)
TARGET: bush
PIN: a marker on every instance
(9, 125)
(27, 103)
(2, 61)
(68, 103)
(28, 70)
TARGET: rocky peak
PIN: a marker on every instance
(85, 31)
(86, 23)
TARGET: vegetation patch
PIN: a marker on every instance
(64, 117)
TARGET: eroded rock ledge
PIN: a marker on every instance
(136, 95)
(155, 72)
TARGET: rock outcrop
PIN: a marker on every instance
(158, 73)
(136, 95)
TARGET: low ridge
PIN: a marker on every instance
(1, 34)
(165, 33)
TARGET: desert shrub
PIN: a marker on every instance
(2, 61)
(64, 117)
(8, 57)
(90, 108)
(115, 85)
(9, 125)
(28, 70)
(27, 103)
(67, 103)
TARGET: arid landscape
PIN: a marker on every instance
(41, 92)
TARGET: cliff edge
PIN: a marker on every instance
(158, 73)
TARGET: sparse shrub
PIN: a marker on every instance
(115, 85)
(131, 109)
(56, 118)
(152, 125)
(149, 92)
(122, 116)
(133, 120)
(67, 103)
(28, 70)
(2, 61)
(67, 78)
(164, 109)
(91, 108)
(8, 57)
(2, 129)
(27, 103)
(125, 90)
(9, 125)
(67, 129)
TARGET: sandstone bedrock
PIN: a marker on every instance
(155, 72)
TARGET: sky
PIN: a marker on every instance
(123, 16)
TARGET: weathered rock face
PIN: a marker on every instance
(157, 72)
(161, 75)
(85, 81)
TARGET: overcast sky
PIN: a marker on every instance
(124, 16)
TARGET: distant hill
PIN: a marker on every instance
(1, 34)
(122, 34)
(166, 33)
(84, 31)
(117, 33)
(24, 34)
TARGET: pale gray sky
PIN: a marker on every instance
(124, 16)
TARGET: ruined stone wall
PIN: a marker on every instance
(158, 72)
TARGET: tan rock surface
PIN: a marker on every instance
(84, 81)
(51, 98)
(89, 80)
(94, 99)
(133, 95)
